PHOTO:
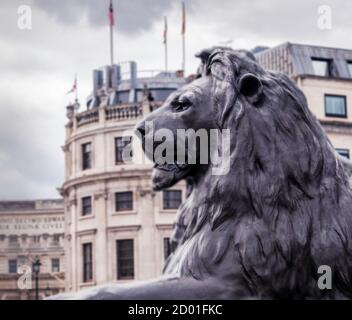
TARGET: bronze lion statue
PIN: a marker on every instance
(284, 208)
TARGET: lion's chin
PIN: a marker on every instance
(167, 175)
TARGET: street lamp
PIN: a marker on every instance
(36, 270)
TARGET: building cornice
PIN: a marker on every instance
(98, 129)
(107, 175)
(335, 126)
(86, 232)
(164, 226)
(33, 212)
(336, 123)
(315, 77)
(34, 251)
(42, 276)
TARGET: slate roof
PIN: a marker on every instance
(296, 59)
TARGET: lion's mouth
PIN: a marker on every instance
(166, 175)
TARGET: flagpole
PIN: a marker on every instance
(183, 55)
(166, 56)
(183, 38)
(111, 24)
(111, 45)
(165, 42)
(76, 91)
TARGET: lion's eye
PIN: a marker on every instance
(181, 106)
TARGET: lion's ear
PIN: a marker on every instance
(251, 87)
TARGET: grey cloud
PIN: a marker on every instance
(131, 16)
(31, 162)
(31, 132)
(294, 21)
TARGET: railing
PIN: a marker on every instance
(123, 112)
(150, 73)
(154, 72)
(87, 117)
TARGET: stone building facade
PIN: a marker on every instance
(31, 230)
(325, 76)
(117, 227)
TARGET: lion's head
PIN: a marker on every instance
(188, 107)
(195, 106)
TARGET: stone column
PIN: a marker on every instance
(71, 278)
(148, 238)
(101, 115)
(101, 246)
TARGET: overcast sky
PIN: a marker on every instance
(37, 66)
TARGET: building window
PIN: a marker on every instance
(167, 247)
(86, 156)
(86, 206)
(120, 144)
(56, 238)
(172, 199)
(55, 265)
(87, 262)
(36, 239)
(335, 106)
(123, 97)
(13, 239)
(344, 153)
(125, 259)
(349, 65)
(124, 201)
(12, 266)
(321, 67)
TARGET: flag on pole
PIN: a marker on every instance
(165, 30)
(74, 87)
(111, 14)
(183, 30)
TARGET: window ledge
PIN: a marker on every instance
(327, 115)
(125, 280)
(86, 217)
(126, 212)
